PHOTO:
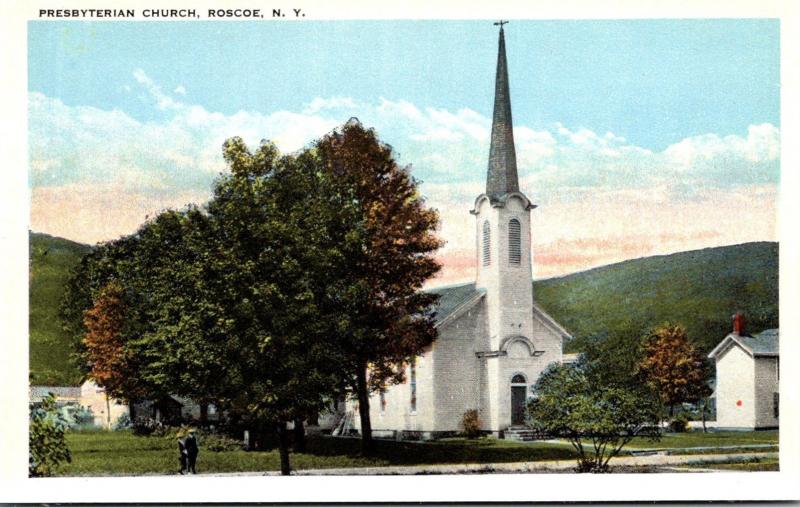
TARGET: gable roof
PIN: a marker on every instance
(548, 321)
(37, 393)
(453, 300)
(764, 344)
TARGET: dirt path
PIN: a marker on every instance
(671, 462)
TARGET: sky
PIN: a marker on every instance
(635, 138)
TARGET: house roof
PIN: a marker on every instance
(764, 344)
(37, 393)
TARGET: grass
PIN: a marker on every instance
(122, 453)
(756, 464)
(710, 439)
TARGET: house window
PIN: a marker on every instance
(486, 243)
(413, 381)
(514, 242)
(775, 399)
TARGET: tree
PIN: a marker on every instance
(598, 420)
(673, 368)
(387, 238)
(47, 447)
(104, 345)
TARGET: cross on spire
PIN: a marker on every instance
(500, 23)
(502, 171)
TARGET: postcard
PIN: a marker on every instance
(400, 253)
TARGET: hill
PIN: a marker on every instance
(699, 289)
(51, 260)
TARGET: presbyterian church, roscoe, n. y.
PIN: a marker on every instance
(494, 341)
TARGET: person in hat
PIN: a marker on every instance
(192, 450)
(184, 455)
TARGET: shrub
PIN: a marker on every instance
(47, 447)
(123, 423)
(471, 424)
(680, 424)
(573, 405)
(84, 418)
(219, 443)
(146, 426)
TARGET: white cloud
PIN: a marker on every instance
(180, 90)
(589, 185)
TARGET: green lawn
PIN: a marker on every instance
(710, 439)
(121, 453)
(748, 465)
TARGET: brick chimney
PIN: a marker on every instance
(739, 324)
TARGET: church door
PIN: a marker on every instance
(518, 404)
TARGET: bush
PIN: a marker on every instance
(123, 423)
(146, 426)
(680, 424)
(47, 447)
(84, 418)
(471, 424)
(572, 404)
(219, 443)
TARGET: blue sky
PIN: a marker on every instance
(635, 137)
(650, 81)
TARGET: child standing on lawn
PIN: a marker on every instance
(184, 455)
(191, 450)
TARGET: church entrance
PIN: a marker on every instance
(519, 391)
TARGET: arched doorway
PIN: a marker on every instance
(519, 395)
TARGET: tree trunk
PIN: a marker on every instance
(363, 411)
(283, 445)
(203, 413)
(299, 435)
(703, 411)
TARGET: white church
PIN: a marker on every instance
(494, 341)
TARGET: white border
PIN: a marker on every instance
(14, 203)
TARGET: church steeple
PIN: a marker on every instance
(502, 172)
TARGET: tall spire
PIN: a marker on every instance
(502, 173)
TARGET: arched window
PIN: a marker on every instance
(486, 244)
(519, 379)
(514, 242)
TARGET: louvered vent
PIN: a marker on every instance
(514, 242)
(486, 244)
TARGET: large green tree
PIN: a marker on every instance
(387, 240)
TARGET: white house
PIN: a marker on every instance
(105, 409)
(747, 379)
(493, 340)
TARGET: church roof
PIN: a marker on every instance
(453, 298)
(764, 343)
(502, 172)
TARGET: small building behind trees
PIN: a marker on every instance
(747, 369)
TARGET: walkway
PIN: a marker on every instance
(563, 466)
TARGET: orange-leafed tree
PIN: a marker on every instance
(104, 343)
(673, 367)
(388, 246)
